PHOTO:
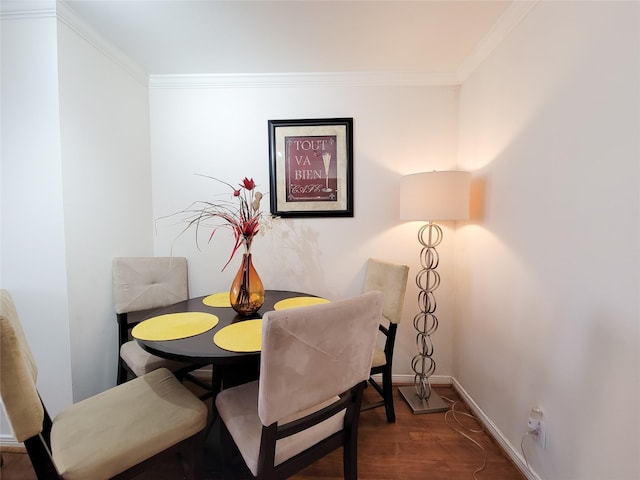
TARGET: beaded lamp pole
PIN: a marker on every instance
(430, 196)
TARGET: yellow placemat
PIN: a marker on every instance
(299, 302)
(245, 336)
(220, 299)
(174, 325)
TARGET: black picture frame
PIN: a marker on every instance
(311, 167)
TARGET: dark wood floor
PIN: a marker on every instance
(414, 448)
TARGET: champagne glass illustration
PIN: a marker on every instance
(326, 159)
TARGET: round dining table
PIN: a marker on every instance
(230, 367)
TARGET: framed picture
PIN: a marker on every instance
(311, 167)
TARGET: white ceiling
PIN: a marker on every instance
(265, 36)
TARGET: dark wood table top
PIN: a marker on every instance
(201, 349)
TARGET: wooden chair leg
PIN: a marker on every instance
(350, 457)
(387, 388)
(122, 374)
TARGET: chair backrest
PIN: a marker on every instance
(141, 283)
(390, 279)
(311, 354)
(18, 374)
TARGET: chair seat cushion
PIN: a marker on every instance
(141, 362)
(379, 357)
(238, 408)
(104, 435)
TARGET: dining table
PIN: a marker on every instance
(207, 331)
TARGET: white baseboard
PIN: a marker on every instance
(7, 440)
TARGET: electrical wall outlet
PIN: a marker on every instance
(536, 427)
(541, 437)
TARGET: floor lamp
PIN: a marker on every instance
(428, 197)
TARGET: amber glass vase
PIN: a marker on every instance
(247, 292)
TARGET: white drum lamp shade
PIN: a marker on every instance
(435, 196)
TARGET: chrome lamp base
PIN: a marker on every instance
(432, 404)
(421, 397)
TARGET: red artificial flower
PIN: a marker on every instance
(236, 193)
(250, 228)
(248, 183)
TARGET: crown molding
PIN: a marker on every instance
(516, 12)
(71, 19)
(27, 10)
(31, 9)
(67, 16)
(313, 79)
(27, 14)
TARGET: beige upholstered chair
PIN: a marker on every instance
(313, 368)
(141, 284)
(391, 279)
(114, 434)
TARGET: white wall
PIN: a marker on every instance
(76, 191)
(549, 278)
(107, 195)
(547, 272)
(222, 132)
(33, 256)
